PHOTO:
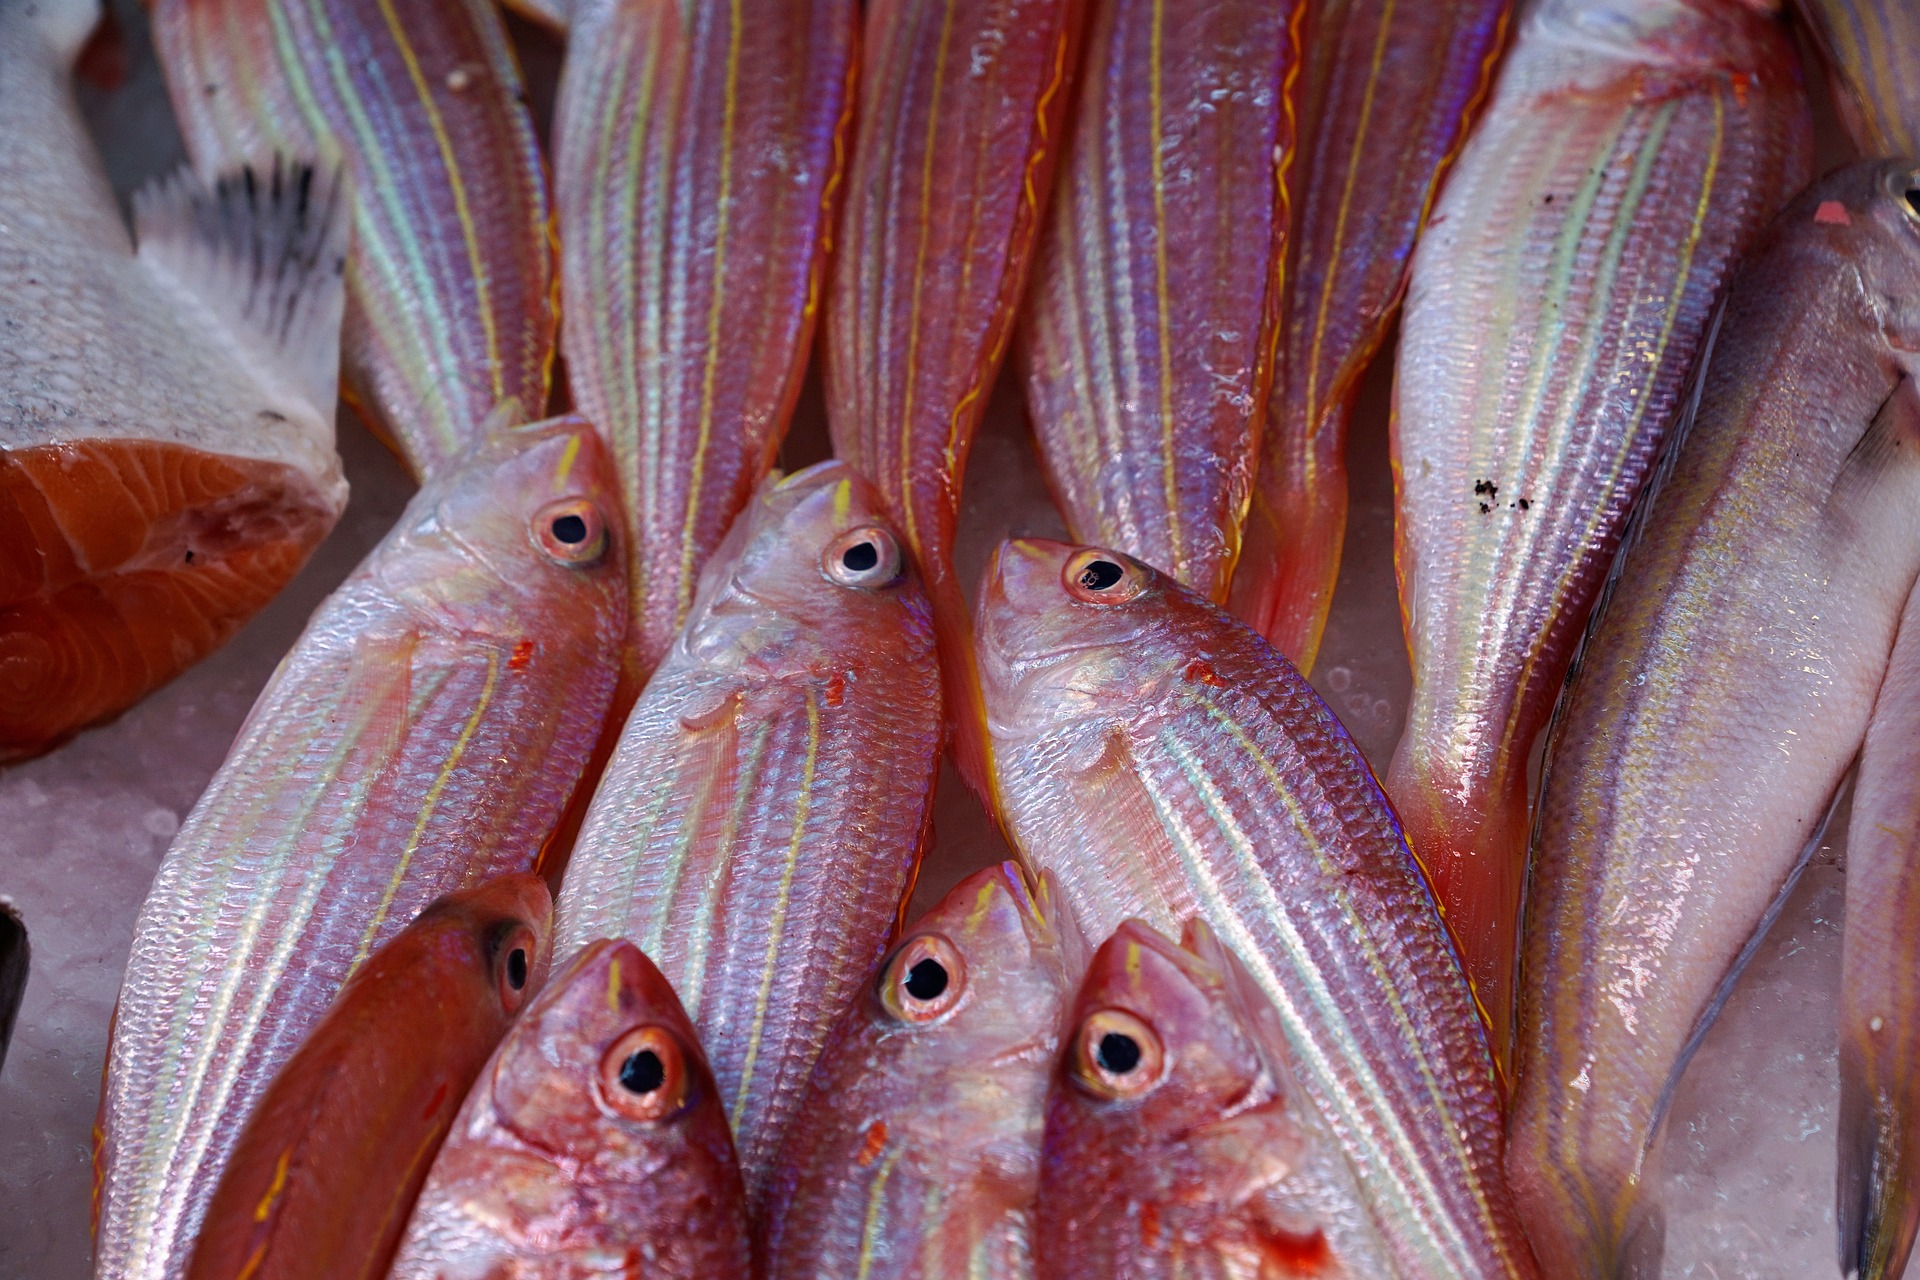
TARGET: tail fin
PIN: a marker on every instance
(265, 254)
(1874, 1205)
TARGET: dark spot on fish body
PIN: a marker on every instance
(1118, 1053)
(642, 1072)
(189, 555)
(269, 415)
(1549, 199)
(1525, 503)
(926, 980)
(1484, 508)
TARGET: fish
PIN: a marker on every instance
(332, 1155)
(15, 964)
(1632, 151)
(451, 308)
(916, 1152)
(1174, 1142)
(1875, 1205)
(1868, 48)
(957, 129)
(167, 453)
(425, 734)
(593, 1144)
(1718, 700)
(697, 153)
(762, 818)
(1161, 760)
(1388, 92)
(1148, 335)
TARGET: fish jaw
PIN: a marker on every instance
(1147, 354)
(947, 242)
(1642, 904)
(543, 1172)
(917, 1152)
(1388, 93)
(698, 153)
(1632, 151)
(451, 300)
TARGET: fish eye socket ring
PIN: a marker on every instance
(643, 1075)
(866, 558)
(1094, 576)
(923, 981)
(570, 532)
(1116, 1056)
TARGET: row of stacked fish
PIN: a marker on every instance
(1655, 439)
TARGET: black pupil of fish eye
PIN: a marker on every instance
(1913, 199)
(1099, 575)
(926, 980)
(517, 968)
(860, 557)
(1117, 1053)
(642, 1072)
(570, 529)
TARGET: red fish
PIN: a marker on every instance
(327, 1167)
(593, 1144)
(958, 126)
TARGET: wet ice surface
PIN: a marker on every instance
(1749, 1168)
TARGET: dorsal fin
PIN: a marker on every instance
(265, 254)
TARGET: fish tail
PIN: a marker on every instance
(261, 255)
(1290, 552)
(1874, 1206)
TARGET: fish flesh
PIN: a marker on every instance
(1718, 701)
(1174, 1138)
(1633, 149)
(1876, 1208)
(697, 151)
(1388, 90)
(167, 454)
(916, 1154)
(593, 1144)
(1163, 762)
(1149, 325)
(424, 734)
(337, 1147)
(762, 818)
(957, 130)
(450, 282)
(1869, 48)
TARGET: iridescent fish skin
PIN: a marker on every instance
(1163, 762)
(916, 1154)
(1632, 150)
(166, 416)
(957, 131)
(593, 1144)
(425, 734)
(1148, 335)
(450, 280)
(333, 1154)
(1174, 1138)
(697, 150)
(1388, 90)
(1869, 49)
(762, 818)
(1876, 1205)
(1718, 701)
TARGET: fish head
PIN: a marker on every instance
(604, 1071)
(1074, 639)
(506, 925)
(811, 565)
(1170, 1055)
(1881, 235)
(525, 525)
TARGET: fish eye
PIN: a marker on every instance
(923, 981)
(1913, 196)
(864, 557)
(513, 966)
(643, 1075)
(571, 532)
(1117, 1056)
(1101, 577)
